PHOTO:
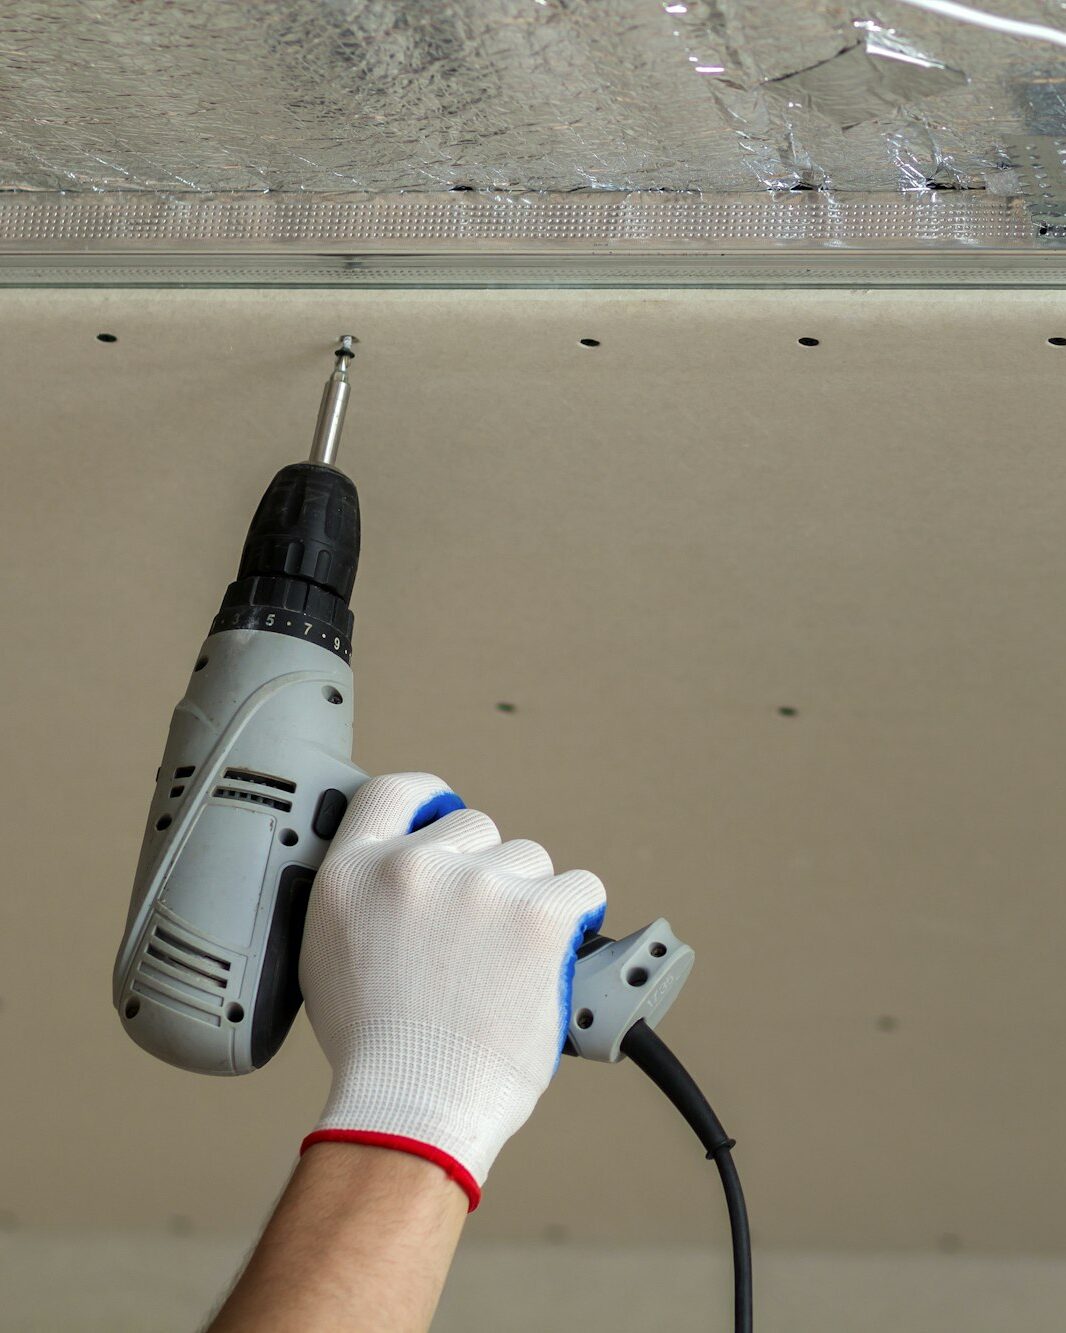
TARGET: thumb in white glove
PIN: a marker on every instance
(437, 968)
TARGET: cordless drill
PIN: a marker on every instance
(255, 779)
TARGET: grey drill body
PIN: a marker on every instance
(254, 780)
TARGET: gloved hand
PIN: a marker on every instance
(437, 968)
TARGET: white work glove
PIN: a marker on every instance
(437, 968)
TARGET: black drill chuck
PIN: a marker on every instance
(299, 561)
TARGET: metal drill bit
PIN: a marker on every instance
(334, 404)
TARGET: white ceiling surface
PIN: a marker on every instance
(648, 547)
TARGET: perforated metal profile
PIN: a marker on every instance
(423, 223)
(808, 238)
(1041, 165)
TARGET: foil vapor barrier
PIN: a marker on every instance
(534, 108)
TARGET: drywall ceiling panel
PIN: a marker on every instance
(165, 1283)
(779, 628)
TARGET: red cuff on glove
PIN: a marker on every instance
(452, 1169)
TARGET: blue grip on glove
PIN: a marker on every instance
(435, 808)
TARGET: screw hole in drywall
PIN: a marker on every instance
(786, 711)
(1057, 342)
(234, 1012)
(589, 342)
(164, 821)
(809, 342)
(107, 337)
(506, 708)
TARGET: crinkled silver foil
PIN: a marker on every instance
(707, 96)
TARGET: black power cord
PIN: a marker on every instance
(651, 1054)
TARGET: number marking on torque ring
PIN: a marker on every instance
(307, 628)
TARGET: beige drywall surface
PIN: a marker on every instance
(123, 1283)
(648, 547)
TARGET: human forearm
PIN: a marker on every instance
(360, 1242)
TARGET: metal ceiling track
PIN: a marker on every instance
(939, 238)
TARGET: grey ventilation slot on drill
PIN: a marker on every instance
(260, 790)
(261, 779)
(169, 949)
(175, 973)
(253, 797)
(186, 771)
